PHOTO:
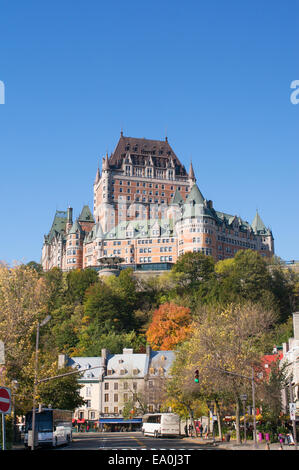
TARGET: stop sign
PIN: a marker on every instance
(5, 400)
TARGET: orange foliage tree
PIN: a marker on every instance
(170, 325)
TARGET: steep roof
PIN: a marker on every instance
(195, 195)
(86, 215)
(76, 227)
(58, 225)
(191, 174)
(258, 225)
(177, 198)
(146, 152)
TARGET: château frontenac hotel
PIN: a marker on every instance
(147, 211)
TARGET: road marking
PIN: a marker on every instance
(139, 441)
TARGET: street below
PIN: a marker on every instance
(130, 441)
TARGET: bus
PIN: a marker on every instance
(53, 427)
(161, 424)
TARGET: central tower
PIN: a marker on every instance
(138, 181)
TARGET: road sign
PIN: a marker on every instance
(292, 411)
(5, 400)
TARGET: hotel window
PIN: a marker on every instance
(88, 403)
(106, 397)
(115, 385)
(106, 386)
(116, 397)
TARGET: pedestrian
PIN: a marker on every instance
(186, 430)
(190, 429)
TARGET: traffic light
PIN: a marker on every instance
(196, 377)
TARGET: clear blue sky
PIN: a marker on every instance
(214, 75)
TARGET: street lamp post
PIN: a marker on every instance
(42, 323)
(244, 398)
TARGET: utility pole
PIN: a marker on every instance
(293, 418)
(35, 378)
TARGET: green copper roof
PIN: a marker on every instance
(177, 198)
(76, 227)
(195, 195)
(86, 215)
(141, 228)
(258, 225)
(58, 225)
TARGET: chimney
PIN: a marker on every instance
(62, 360)
(70, 215)
(296, 325)
(127, 351)
(104, 354)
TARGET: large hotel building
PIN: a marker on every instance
(147, 211)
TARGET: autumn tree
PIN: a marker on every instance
(183, 395)
(226, 339)
(23, 300)
(170, 326)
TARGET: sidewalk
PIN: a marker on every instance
(232, 445)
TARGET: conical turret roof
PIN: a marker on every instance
(177, 198)
(191, 174)
(258, 225)
(86, 215)
(106, 165)
(76, 227)
(195, 195)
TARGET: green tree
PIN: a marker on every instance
(62, 393)
(194, 269)
(78, 281)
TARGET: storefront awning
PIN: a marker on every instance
(119, 421)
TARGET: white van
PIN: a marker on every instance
(161, 424)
